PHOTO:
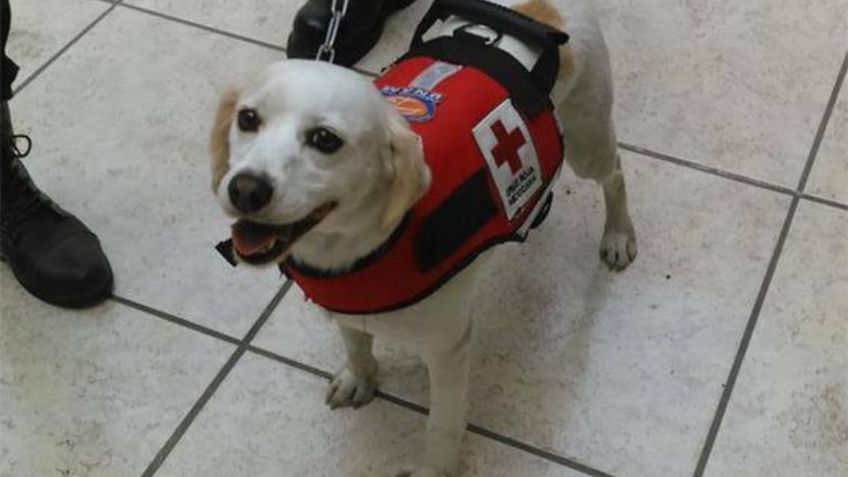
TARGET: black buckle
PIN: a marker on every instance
(543, 213)
(482, 12)
(225, 248)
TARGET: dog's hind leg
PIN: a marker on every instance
(356, 383)
(591, 149)
(618, 247)
(592, 152)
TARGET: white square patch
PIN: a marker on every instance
(508, 148)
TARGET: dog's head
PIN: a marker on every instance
(310, 148)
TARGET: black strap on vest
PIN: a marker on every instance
(530, 92)
(458, 217)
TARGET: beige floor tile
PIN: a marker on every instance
(829, 178)
(740, 86)
(40, 28)
(271, 21)
(268, 21)
(787, 415)
(93, 393)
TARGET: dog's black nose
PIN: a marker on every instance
(249, 192)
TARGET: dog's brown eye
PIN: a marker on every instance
(248, 120)
(324, 140)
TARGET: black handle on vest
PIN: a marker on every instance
(503, 19)
(532, 93)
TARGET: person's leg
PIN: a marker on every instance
(359, 29)
(51, 253)
(8, 69)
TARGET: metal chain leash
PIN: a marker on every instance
(327, 51)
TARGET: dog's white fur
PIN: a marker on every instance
(379, 174)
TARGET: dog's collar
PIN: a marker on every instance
(308, 270)
(226, 250)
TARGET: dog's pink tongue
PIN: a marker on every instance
(249, 238)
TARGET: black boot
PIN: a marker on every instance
(52, 254)
(359, 29)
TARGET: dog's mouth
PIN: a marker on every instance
(259, 244)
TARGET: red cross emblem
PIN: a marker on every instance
(504, 138)
(506, 151)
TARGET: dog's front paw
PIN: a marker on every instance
(348, 390)
(423, 472)
(618, 249)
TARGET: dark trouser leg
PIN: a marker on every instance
(51, 253)
(8, 72)
(8, 69)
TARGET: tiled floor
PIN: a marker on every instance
(722, 352)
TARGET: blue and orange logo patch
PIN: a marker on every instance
(415, 104)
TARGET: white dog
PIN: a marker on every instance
(319, 167)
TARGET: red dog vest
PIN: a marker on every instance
(492, 167)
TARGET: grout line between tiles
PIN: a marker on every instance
(176, 320)
(733, 176)
(730, 175)
(828, 112)
(210, 390)
(709, 170)
(541, 453)
(290, 362)
(747, 335)
(201, 26)
(218, 31)
(823, 201)
(35, 74)
(474, 429)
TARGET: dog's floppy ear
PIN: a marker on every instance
(219, 142)
(409, 174)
